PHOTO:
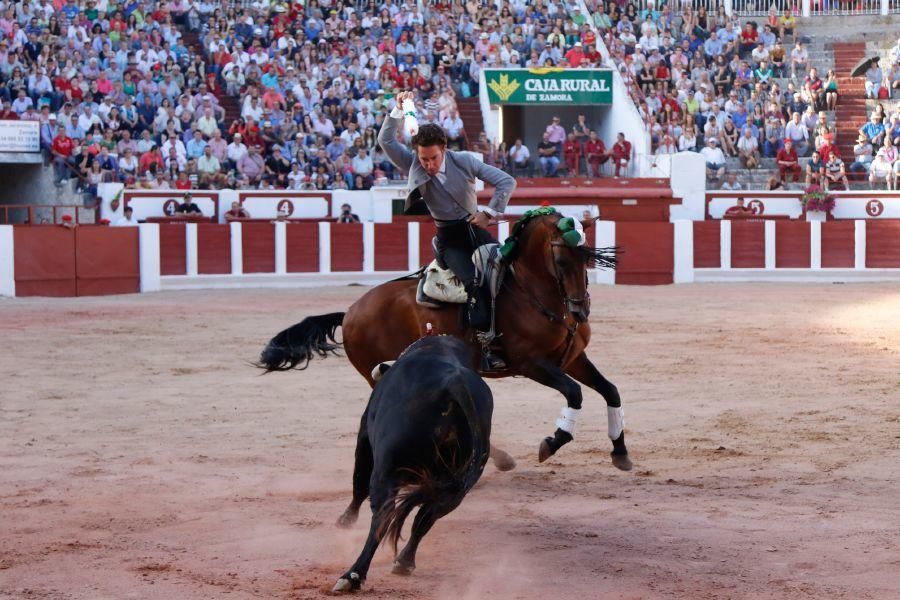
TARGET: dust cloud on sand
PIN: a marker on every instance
(142, 457)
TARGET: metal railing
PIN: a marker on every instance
(761, 8)
(845, 7)
(44, 214)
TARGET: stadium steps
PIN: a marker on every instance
(231, 104)
(470, 113)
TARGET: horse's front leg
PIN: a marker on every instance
(554, 377)
(584, 371)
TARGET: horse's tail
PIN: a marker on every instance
(298, 344)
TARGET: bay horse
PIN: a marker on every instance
(541, 315)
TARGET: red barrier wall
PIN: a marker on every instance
(707, 245)
(883, 244)
(346, 247)
(838, 244)
(647, 256)
(391, 246)
(85, 261)
(214, 249)
(44, 261)
(302, 246)
(258, 245)
(172, 249)
(748, 245)
(107, 261)
(792, 244)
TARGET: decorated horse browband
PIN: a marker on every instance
(571, 228)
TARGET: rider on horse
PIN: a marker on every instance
(445, 181)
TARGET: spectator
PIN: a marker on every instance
(187, 207)
(862, 155)
(798, 134)
(621, 153)
(347, 215)
(748, 149)
(788, 162)
(520, 159)
(874, 79)
(874, 130)
(363, 167)
(127, 220)
(572, 155)
(815, 170)
(252, 165)
(835, 173)
(209, 170)
(881, 170)
(237, 211)
(739, 209)
(715, 159)
(731, 183)
(277, 167)
(556, 134)
(549, 155)
(62, 150)
(799, 60)
(453, 126)
(595, 154)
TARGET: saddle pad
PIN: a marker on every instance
(442, 284)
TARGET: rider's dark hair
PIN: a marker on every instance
(430, 135)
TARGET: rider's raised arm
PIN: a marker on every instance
(397, 152)
(503, 183)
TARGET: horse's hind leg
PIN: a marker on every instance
(554, 377)
(585, 372)
(362, 473)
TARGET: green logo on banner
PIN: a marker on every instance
(549, 86)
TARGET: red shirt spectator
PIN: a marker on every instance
(595, 152)
(788, 162)
(621, 153)
(575, 56)
(63, 145)
(572, 154)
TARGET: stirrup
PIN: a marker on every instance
(491, 362)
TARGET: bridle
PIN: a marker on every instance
(577, 307)
(570, 305)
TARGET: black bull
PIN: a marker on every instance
(423, 441)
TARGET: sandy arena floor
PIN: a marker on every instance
(142, 457)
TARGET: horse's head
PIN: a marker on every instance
(553, 252)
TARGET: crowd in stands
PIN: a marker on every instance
(709, 83)
(121, 96)
(576, 151)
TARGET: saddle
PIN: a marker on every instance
(438, 285)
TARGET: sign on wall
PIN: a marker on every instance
(294, 205)
(763, 205)
(20, 136)
(549, 86)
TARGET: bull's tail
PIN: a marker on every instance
(296, 345)
(426, 490)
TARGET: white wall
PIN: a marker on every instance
(688, 183)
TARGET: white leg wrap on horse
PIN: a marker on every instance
(380, 369)
(568, 418)
(616, 419)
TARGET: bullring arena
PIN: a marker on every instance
(143, 457)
